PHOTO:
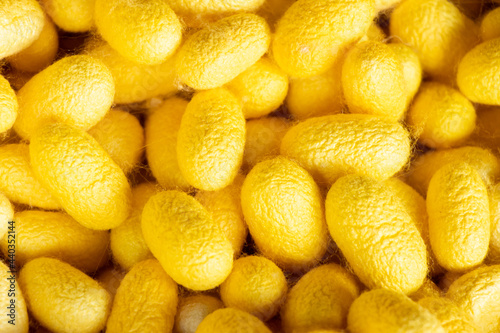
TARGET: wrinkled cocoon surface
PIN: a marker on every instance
(439, 33)
(147, 32)
(283, 208)
(22, 23)
(57, 235)
(220, 52)
(8, 105)
(80, 174)
(311, 32)
(478, 73)
(424, 166)
(477, 293)
(377, 236)
(320, 299)
(197, 13)
(459, 217)
(452, 318)
(256, 285)
(490, 25)
(374, 89)
(231, 320)
(262, 88)
(176, 226)
(41, 53)
(135, 82)
(451, 121)
(17, 180)
(146, 301)
(162, 127)
(412, 69)
(211, 139)
(332, 146)
(76, 90)
(71, 15)
(62, 298)
(384, 311)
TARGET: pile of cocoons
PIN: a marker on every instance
(249, 166)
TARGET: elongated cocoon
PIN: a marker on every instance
(80, 174)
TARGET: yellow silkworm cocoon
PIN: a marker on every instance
(147, 32)
(320, 299)
(182, 235)
(76, 90)
(41, 53)
(211, 139)
(311, 33)
(62, 298)
(18, 182)
(80, 174)
(22, 23)
(261, 88)
(57, 235)
(330, 147)
(146, 301)
(216, 54)
(283, 208)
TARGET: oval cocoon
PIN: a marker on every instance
(211, 139)
(122, 137)
(459, 217)
(162, 127)
(478, 73)
(311, 32)
(452, 318)
(7, 282)
(332, 146)
(385, 311)
(8, 105)
(22, 23)
(190, 246)
(80, 174)
(135, 82)
(283, 208)
(18, 182)
(197, 13)
(57, 235)
(41, 53)
(439, 33)
(380, 89)
(71, 15)
(215, 55)
(256, 285)
(424, 166)
(440, 116)
(76, 90)
(261, 88)
(477, 293)
(146, 301)
(376, 235)
(231, 320)
(147, 32)
(62, 298)
(490, 25)
(321, 299)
